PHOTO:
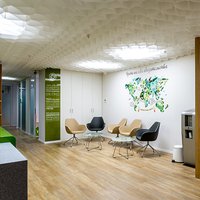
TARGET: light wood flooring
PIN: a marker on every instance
(57, 172)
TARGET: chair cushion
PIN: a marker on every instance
(140, 132)
(73, 127)
(96, 129)
(97, 124)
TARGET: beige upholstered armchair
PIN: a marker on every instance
(114, 128)
(130, 130)
(73, 127)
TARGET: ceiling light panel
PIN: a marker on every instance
(10, 28)
(99, 65)
(9, 78)
(14, 26)
(134, 52)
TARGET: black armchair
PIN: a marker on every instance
(97, 124)
(148, 135)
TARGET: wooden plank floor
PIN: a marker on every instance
(57, 172)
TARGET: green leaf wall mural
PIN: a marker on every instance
(148, 94)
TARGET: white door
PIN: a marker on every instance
(6, 105)
(97, 95)
(87, 98)
(76, 96)
(66, 94)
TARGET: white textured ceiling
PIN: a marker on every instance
(76, 30)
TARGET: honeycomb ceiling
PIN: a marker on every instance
(60, 33)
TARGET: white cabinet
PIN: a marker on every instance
(76, 95)
(65, 96)
(97, 95)
(81, 95)
(92, 96)
(87, 98)
(72, 94)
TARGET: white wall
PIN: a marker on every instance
(28, 105)
(42, 106)
(37, 89)
(180, 96)
(15, 104)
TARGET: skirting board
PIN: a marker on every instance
(50, 142)
(164, 150)
(58, 141)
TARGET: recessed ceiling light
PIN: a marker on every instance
(9, 78)
(94, 64)
(11, 27)
(136, 52)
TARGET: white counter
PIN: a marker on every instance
(9, 154)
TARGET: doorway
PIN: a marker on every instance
(32, 106)
(6, 102)
(22, 105)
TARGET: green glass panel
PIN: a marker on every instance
(52, 104)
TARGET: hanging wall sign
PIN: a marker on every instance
(52, 104)
(147, 69)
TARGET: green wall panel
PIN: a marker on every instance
(5, 136)
(52, 104)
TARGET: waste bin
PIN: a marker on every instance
(177, 153)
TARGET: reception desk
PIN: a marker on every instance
(13, 173)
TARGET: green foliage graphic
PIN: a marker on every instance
(148, 94)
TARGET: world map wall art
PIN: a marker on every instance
(148, 94)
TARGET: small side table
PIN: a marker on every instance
(93, 136)
(120, 141)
